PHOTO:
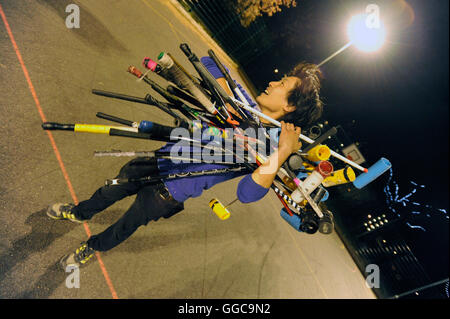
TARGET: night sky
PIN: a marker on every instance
(394, 102)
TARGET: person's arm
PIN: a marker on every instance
(255, 186)
(288, 143)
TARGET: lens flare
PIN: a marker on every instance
(365, 34)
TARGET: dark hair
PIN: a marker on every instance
(306, 96)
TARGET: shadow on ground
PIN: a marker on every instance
(43, 233)
(46, 284)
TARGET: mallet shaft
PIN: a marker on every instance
(303, 137)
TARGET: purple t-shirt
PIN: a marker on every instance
(184, 188)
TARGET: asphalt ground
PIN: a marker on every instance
(253, 254)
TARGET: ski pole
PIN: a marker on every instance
(169, 97)
(183, 95)
(116, 119)
(303, 137)
(228, 78)
(184, 82)
(211, 81)
(217, 171)
(149, 100)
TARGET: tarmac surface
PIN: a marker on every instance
(253, 254)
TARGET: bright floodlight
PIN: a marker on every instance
(364, 34)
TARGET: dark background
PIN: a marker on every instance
(397, 97)
(393, 103)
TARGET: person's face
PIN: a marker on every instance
(274, 99)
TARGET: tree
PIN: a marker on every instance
(249, 10)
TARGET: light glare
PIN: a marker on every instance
(363, 37)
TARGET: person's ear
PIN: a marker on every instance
(289, 108)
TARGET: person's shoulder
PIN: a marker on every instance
(207, 60)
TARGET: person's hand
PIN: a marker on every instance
(288, 143)
(289, 138)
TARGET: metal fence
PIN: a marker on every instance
(222, 21)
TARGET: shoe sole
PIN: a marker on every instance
(64, 265)
(61, 218)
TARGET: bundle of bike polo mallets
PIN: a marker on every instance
(201, 105)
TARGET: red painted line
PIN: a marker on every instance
(55, 148)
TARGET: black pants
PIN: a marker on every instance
(151, 203)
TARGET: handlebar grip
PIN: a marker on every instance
(147, 136)
(134, 71)
(114, 119)
(51, 126)
(187, 51)
(156, 130)
(116, 132)
(149, 64)
(183, 95)
(119, 96)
